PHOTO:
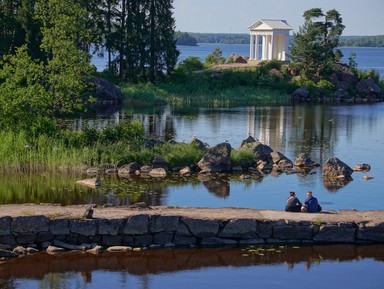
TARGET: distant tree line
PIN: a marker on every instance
(136, 35)
(362, 41)
(228, 38)
(184, 38)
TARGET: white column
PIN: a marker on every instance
(251, 47)
(264, 47)
(257, 47)
(272, 46)
(285, 56)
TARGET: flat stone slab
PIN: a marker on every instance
(73, 212)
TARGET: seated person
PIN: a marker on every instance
(293, 204)
(311, 205)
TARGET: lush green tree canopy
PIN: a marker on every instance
(313, 47)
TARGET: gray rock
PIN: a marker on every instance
(110, 226)
(371, 232)
(202, 146)
(217, 159)
(145, 169)
(107, 240)
(264, 229)
(92, 183)
(158, 173)
(304, 160)
(331, 233)
(59, 226)
(215, 241)
(119, 249)
(128, 169)
(362, 167)
(201, 227)
(186, 241)
(95, 250)
(136, 225)
(54, 250)
(261, 151)
(163, 238)
(143, 240)
(333, 167)
(106, 91)
(160, 162)
(185, 171)
(67, 246)
(7, 254)
(292, 232)
(165, 223)
(256, 241)
(301, 94)
(5, 225)
(368, 87)
(83, 227)
(239, 228)
(341, 93)
(30, 224)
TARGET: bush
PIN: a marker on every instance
(190, 64)
(243, 158)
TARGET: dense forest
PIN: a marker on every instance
(137, 35)
(229, 38)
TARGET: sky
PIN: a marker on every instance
(360, 17)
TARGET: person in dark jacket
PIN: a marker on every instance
(311, 205)
(293, 204)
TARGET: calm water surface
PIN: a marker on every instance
(351, 133)
(336, 266)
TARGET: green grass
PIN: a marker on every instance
(225, 88)
(19, 154)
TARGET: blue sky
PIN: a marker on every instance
(361, 17)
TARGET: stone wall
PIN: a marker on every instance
(145, 230)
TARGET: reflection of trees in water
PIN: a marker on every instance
(62, 269)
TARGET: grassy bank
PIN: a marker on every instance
(224, 88)
(73, 151)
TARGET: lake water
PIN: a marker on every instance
(353, 133)
(335, 266)
(366, 58)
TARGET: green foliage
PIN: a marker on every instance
(326, 86)
(190, 64)
(227, 38)
(184, 38)
(313, 47)
(243, 158)
(214, 58)
(33, 92)
(364, 74)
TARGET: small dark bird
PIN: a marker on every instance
(88, 213)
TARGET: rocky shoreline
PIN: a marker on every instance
(26, 229)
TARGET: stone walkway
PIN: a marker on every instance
(57, 211)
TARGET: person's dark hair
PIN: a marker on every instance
(292, 193)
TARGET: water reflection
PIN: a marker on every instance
(58, 268)
(351, 133)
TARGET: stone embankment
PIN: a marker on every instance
(29, 228)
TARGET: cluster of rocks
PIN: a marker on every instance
(30, 234)
(217, 159)
(347, 88)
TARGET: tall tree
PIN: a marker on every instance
(33, 92)
(11, 33)
(163, 51)
(313, 48)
